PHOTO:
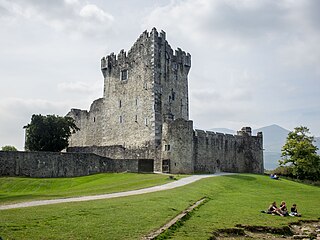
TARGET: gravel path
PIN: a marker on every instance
(174, 184)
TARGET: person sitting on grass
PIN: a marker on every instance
(294, 211)
(283, 209)
(274, 176)
(274, 210)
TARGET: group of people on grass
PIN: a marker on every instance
(282, 210)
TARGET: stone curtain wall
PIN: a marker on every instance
(214, 152)
(198, 151)
(49, 164)
(193, 151)
(208, 151)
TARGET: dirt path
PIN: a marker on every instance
(175, 184)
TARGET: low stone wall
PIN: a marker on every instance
(50, 164)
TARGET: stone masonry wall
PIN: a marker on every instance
(207, 152)
(89, 124)
(171, 70)
(177, 146)
(140, 85)
(128, 94)
(116, 152)
(182, 147)
(49, 164)
(214, 152)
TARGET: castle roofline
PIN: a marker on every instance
(153, 35)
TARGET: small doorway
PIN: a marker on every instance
(166, 166)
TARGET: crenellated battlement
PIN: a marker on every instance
(241, 133)
(182, 57)
(78, 112)
(146, 39)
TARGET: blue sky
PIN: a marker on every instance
(254, 63)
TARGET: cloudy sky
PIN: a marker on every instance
(254, 63)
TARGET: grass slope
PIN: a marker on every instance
(233, 200)
(14, 189)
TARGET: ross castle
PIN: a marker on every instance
(144, 114)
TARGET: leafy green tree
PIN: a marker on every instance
(49, 133)
(9, 148)
(300, 154)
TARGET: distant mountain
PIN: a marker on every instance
(274, 137)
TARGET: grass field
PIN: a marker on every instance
(14, 189)
(232, 200)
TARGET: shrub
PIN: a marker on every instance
(9, 148)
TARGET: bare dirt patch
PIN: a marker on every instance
(298, 230)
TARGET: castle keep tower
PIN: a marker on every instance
(144, 115)
(139, 88)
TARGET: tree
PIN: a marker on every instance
(300, 154)
(9, 148)
(49, 133)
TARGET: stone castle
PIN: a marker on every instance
(144, 114)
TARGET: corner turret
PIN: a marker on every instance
(245, 131)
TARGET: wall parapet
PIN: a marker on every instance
(215, 151)
(179, 56)
(200, 132)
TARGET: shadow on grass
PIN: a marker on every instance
(242, 177)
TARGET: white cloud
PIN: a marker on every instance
(255, 59)
(239, 25)
(301, 52)
(69, 16)
(80, 87)
(92, 11)
(13, 107)
(253, 62)
(16, 113)
(71, 2)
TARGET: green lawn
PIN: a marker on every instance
(15, 189)
(232, 200)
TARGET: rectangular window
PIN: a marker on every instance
(175, 66)
(146, 121)
(120, 119)
(167, 147)
(124, 74)
(136, 118)
(173, 95)
(120, 104)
